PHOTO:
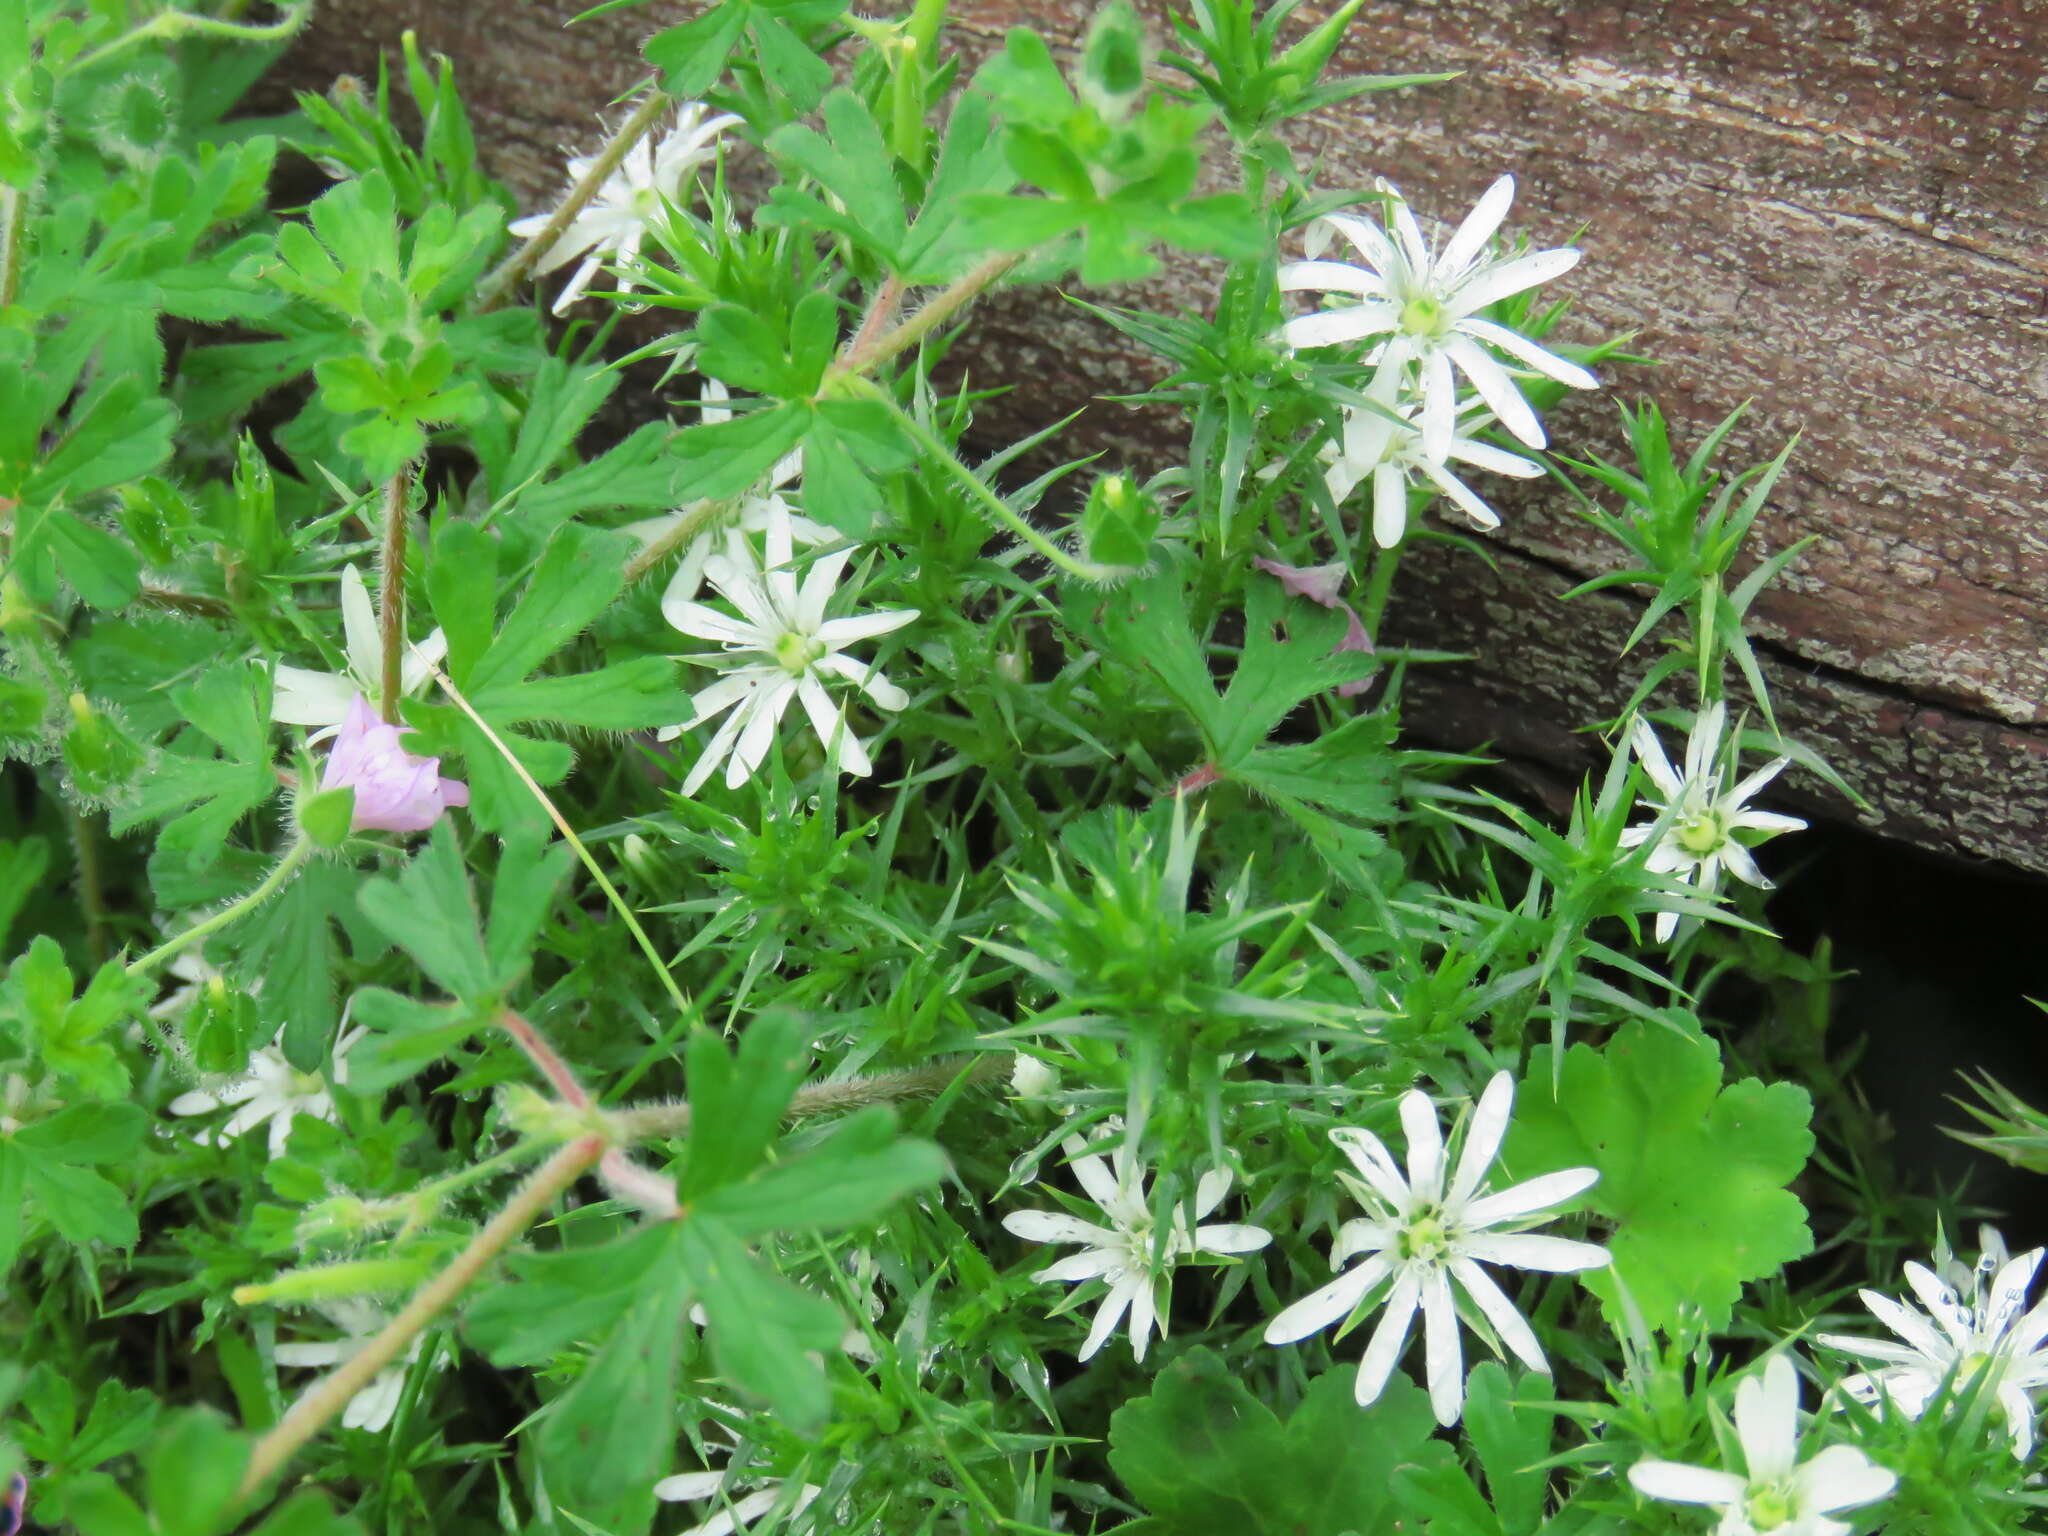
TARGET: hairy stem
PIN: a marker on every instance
(888, 299)
(13, 222)
(171, 25)
(695, 518)
(391, 592)
(273, 882)
(520, 262)
(949, 302)
(331, 1394)
(999, 511)
(654, 1121)
(1379, 585)
(85, 849)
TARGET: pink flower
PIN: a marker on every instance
(395, 791)
(1321, 584)
(1317, 583)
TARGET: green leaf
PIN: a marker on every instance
(724, 458)
(736, 1104)
(528, 879)
(580, 571)
(610, 1436)
(692, 56)
(852, 1176)
(557, 1299)
(291, 945)
(104, 571)
(428, 911)
(82, 1206)
(1693, 1175)
(1209, 1459)
(229, 707)
(762, 1327)
(87, 1133)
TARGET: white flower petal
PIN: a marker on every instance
(1842, 1477)
(1425, 1146)
(1767, 1419)
(1676, 1483)
(1328, 1304)
(1500, 280)
(1490, 1116)
(1384, 1352)
(1056, 1227)
(1529, 1196)
(1513, 1328)
(1479, 226)
(1529, 1250)
(1444, 1356)
(1231, 1237)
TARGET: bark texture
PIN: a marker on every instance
(1837, 211)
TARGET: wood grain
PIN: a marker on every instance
(1836, 211)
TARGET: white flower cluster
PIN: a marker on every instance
(1421, 312)
(1422, 1233)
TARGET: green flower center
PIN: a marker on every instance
(794, 653)
(1770, 1506)
(1426, 1237)
(1422, 316)
(306, 1084)
(1701, 832)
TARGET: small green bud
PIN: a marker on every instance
(103, 761)
(326, 815)
(1113, 59)
(362, 1277)
(1118, 524)
(222, 1027)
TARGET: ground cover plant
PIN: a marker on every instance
(771, 960)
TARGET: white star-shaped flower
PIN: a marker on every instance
(612, 224)
(1129, 1253)
(1422, 1236)
(1426, 304)
(1388, 450)
(1781, 1496)
(271, 1089)
(780, 648)
(304, 697)
(360, 1321)
(716, 1483)
(1699, 840)
(1990, 1344)
(753, 514)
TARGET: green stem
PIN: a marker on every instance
(695, 518)
(273, 882)
(998, 509)
(947, 304)
(1379, 585)
(516, 266)
(656, 1121)
(331, 1395)
(172, 25)
(11, 228)
(391, 593)
(85, 850)
(611, 892)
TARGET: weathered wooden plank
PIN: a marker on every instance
(1838, 211)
